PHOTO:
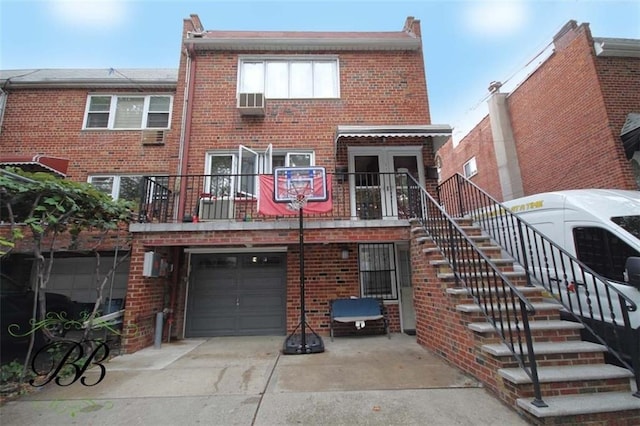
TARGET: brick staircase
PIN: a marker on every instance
(576, 383)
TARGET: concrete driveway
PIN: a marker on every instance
(247, 381)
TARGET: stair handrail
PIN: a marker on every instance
(487, 207)
(511, 329)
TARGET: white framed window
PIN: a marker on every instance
(377, 267)
(119, 187)
(131, 187)
(128, 112)
(236, 172)
(286, 78)
(470, 168)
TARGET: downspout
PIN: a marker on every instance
(185, 132)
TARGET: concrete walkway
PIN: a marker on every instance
(247, 381)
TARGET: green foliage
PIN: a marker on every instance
(47, 204)
(11, 373)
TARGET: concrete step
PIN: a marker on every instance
(568, 373)
(538, 306)
(546, 348)
(462, 291)
(497, 261)
(572, 405)
(508, 274)
(550, 325)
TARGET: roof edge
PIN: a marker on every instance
(305, 43)
(622, 47)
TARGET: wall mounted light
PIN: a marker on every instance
(345, 253)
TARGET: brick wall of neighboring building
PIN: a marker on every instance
(566, 119)
(49, 122)
(479, 144)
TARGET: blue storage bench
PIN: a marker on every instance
(358, 311)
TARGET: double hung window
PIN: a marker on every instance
(124, 112)
(290, 78)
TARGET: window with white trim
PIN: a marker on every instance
(470, 168)
(229, 173)
(130, 187)
(128, 112)
(119, 187)
(377, 271)
(290, 78)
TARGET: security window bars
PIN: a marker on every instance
(290, 79)
(377, 271)
(125, 112)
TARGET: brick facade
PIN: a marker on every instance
(566, 119)
(380, 84)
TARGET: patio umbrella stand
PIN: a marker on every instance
(299, 342)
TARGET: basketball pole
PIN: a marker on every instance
(303, 317)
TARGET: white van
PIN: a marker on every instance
(601, 228)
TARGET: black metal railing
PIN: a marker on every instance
(501, 303)
(586, 296)
(361, 196)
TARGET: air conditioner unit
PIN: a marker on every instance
(211, 209)
(251, 103)
(153, 137)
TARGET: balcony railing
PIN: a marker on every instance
(354, 196)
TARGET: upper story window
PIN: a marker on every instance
(470, 168)
(124, 112)
(232, 172)
(290, 78)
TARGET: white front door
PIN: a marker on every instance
(378, 180)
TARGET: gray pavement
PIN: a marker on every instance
(247, 381)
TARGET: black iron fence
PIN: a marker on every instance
(501, 303)
(198, 198)
(586, 296)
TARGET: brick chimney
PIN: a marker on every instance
(412, 26)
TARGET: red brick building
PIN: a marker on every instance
(573, 123)
(196, 141)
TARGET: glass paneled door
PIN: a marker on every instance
(380, 188)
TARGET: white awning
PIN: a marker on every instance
(440, 133)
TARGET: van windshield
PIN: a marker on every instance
(631, 224)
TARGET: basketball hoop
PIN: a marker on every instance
(299, 202)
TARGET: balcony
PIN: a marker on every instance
(219, 198)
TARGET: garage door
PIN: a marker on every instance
(76, 277)
(236, 295)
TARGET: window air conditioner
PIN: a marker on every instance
(153, 137)
(212, 209)
(251, 103)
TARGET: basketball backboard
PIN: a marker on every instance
(292, 183)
